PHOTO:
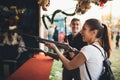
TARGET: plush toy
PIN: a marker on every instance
(82, 6)
(44, 3)
(99, 2)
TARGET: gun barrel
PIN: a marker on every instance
(61, 45)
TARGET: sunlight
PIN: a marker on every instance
(69, 6)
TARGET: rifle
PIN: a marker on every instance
(60, 45)
(54, 56)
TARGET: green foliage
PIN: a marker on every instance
(56, 72)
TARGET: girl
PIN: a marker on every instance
(94, 33)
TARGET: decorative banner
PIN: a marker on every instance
(51, 20)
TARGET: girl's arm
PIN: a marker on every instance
(74, 63)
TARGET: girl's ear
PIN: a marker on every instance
(95, 32)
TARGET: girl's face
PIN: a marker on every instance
(88, 35)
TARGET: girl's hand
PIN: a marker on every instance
(50, 45)
(71, 54)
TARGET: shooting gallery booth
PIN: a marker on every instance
(20, 26)
(18, 17)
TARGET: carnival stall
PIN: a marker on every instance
(20, 35)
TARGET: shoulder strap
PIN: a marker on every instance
(88, 71)
(100, 51)
(86, 63)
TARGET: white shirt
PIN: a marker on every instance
(94, 62)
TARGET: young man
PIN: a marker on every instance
(75, 41)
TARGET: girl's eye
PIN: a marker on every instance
(83, 28)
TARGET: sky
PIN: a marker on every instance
(113, 6)
(95, 11)
(70, 4)
(60, 4)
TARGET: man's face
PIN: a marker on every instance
(75, 26)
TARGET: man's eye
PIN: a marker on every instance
(76, 24)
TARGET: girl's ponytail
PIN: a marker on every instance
(106, 40)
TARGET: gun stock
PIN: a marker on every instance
(54, 56)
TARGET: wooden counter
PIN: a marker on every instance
(37, 68)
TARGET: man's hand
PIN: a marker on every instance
(72, 54)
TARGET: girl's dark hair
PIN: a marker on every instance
(103, 33)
